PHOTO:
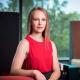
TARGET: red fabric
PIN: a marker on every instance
(15, 78)
(39, 56)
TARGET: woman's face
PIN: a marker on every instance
(38, 21)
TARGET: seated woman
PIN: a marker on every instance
(37, 50)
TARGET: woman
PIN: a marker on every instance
(37, 50)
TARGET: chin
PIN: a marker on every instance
(40, 31)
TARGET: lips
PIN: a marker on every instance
(39, 27)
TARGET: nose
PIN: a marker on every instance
(40, 21)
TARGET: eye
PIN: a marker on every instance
(43, 19)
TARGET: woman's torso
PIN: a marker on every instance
(39, 56)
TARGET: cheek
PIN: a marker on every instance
(34, 23)
(44, 24)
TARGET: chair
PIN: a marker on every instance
(15, 78)
(9, 39)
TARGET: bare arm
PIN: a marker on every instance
(56, 69)
(16, 68)
(21, 53)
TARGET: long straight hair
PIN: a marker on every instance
(46, 32)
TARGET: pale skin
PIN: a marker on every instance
(39, 24)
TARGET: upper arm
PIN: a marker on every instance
(55, 57)
(21, 52)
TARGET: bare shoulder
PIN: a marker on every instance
(53, 43)
(24, 42)
(24, 45)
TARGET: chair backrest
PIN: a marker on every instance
(75, 39)
(9, 38)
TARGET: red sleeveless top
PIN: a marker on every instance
(39, 56)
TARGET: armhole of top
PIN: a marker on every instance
(51, 45)
(28, 45)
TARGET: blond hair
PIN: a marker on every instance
(46, 32)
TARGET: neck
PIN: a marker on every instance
(37, 36)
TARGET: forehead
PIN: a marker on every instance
(39, 13)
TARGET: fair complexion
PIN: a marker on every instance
(56, 74)
(38, 24)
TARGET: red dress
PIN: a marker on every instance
(39, 56)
